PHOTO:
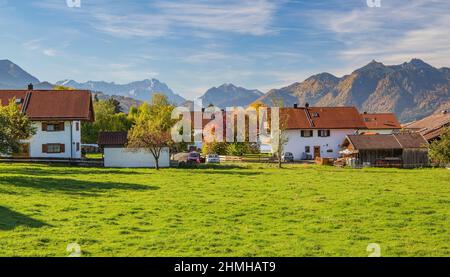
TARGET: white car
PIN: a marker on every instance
(212, 158)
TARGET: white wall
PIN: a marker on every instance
(60, 137)
(296, 144)
(378, 131)
(122, 157)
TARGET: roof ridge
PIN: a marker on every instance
(395, 136)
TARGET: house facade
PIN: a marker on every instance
(56, 116)
(319, 131)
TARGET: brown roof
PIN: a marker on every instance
(433, 134)
(378, 121)
(112, 138)
(52, 104)
(432, 126)
(391, 141)
(414, 140)
(430, 122)
(323, 118)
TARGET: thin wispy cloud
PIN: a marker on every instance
(393, 33)
(161, 18)
(36, 46)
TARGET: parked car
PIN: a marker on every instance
(212, 158)
(287, 157)
(193, 157)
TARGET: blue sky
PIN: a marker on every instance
(193, 45)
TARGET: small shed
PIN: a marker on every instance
(387, 150)
(115, 153)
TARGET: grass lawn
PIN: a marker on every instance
(235, 210)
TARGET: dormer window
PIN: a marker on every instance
(315, 114)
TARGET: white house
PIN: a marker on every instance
(57, 116)
(381, 123)
(319, 131)
(115, 154)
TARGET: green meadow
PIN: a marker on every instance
(227, 210)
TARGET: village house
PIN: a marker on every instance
(314, 132)
(57, 117)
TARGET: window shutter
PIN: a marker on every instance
(44, 148)
(61, 126)
(44, 127)
(63, 148)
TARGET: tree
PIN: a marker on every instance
(152, 128)
(107, 118)
(214, 147)
(440, 149)
(278, 134)
(62, 88)
(14, 127)
(151, 137)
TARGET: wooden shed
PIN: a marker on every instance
(389, 150)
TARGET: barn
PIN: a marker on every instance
(115, 153)
(386, 150)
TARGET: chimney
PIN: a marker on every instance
(307, 105)
(30, 86)
(295, 106)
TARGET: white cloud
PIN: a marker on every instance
(197, 17)
(394, 33)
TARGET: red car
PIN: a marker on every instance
(193, 157)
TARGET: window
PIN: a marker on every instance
(78, 146)
(53, 127)
(77, 126)
(307, 149)
(324, 133)
(307, 133)
(53, 148)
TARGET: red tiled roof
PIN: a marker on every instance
(322, 118)
(112, 138)
(378, 121)
(52, 104)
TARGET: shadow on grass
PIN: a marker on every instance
(70, 186)
(58, 169)
(9, 220)
(212, 166)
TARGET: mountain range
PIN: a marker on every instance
(13, 76)
(139, 90)
(229, 95)
(411, 90)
